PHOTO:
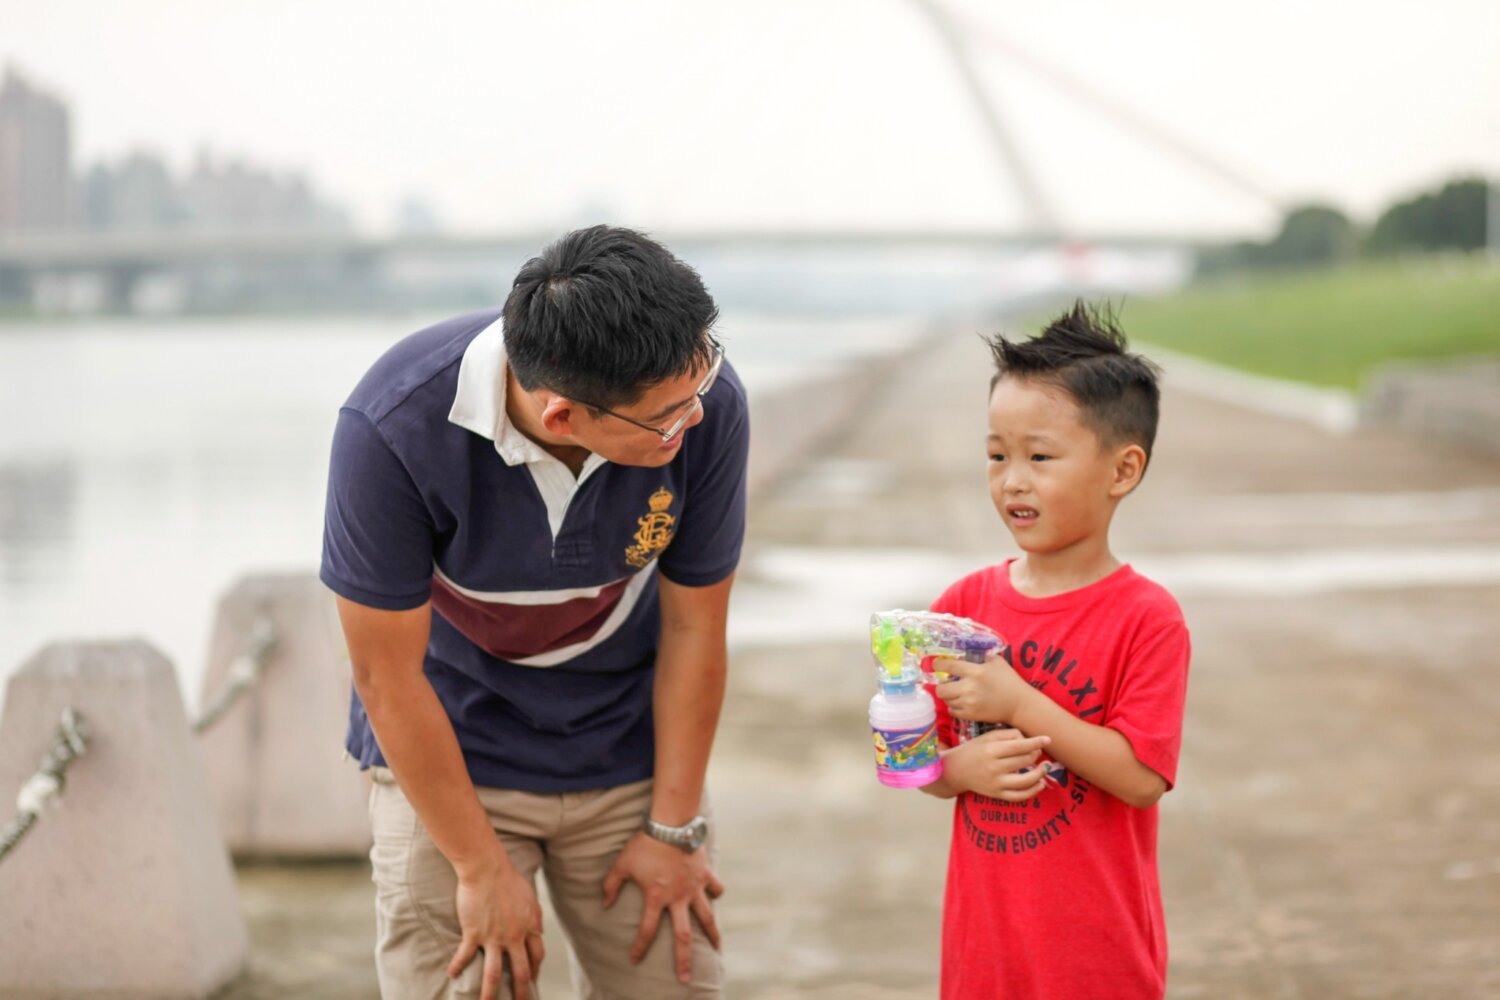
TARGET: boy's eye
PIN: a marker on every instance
(996, 457)
(1040, 458)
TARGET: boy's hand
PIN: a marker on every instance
(983, 692)
(990, 765)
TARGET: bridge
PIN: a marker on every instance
(353, 268)
(85, 251)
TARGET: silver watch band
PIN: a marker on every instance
(688, 837)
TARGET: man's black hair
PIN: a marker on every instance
(1083, 352)
(603, 314)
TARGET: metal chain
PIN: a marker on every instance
(73, 732)
(70, 741)
(243, 673)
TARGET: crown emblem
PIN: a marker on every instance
(656, 530)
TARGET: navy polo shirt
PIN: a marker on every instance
(543, 585)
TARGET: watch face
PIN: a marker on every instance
(697, 833)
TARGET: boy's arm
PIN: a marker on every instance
(946, 787)
(1100, 755)
(991, 765)
(1150, 710)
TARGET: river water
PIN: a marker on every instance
(146, 464)
(144, 467)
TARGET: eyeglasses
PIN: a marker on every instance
(692, 406)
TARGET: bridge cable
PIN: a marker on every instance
(1115, 110)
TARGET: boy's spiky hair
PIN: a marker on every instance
(1084, 353)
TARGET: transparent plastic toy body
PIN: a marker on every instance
(908, 647)
(904, 642)
(903, 721)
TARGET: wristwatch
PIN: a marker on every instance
(688, 837)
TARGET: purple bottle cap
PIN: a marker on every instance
(976, 646)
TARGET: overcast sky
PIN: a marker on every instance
(674, 114)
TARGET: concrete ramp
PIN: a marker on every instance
(123, 888)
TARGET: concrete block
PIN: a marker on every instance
(1456, 400)
(277, 773)
(123, 888)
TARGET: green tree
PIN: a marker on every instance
(1451, 218)
(1312, 236)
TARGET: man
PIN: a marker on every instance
(534, 517)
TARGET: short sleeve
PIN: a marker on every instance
(1147, 708)
(377, 531)
(706, 547)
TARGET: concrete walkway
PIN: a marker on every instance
(1336, 829)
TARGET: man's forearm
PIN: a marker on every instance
(418, 742)
(691, 664)
(386, 649)
(686, 701)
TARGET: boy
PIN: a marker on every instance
(1052, 882)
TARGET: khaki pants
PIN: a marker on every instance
(573, 839)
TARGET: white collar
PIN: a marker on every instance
(479, 402)
(479, 406)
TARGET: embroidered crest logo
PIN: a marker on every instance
(655, 532)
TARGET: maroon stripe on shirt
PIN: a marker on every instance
(517, 631)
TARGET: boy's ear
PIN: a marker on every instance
(1130, 466)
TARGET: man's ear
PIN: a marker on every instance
(560, 416)
(1129, 467)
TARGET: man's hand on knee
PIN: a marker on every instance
(673, 880)
(499, 914)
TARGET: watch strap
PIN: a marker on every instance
(688, 837)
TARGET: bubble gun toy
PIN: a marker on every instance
(903, 720)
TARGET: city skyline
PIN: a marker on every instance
(43, 189)
(832, 115)
(36, 180)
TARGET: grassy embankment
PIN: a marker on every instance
(1331, 328)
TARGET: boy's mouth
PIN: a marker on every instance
(1021, 513)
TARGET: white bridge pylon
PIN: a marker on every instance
(957, 35)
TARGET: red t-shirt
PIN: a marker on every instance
(1058, 897)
